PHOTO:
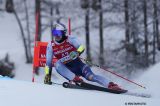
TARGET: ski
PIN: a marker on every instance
(87, 86)
(73, 86)
(124, 92)
(98, 88)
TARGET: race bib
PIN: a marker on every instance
(65, 59)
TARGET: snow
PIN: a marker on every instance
(11, 43)
(150, 79)
(20, 91)
(10, 36)
(23, 93)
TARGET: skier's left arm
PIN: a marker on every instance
(49, 56)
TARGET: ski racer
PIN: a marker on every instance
(67, 50)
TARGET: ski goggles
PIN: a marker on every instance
(57, 32)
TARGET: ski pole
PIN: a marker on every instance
(33, 74)
(114, 73)
(35, 41)
(69, 26)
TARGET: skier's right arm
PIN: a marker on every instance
(49, 56)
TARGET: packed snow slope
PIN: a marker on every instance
(150, 79)
(23, 93)
(20, 93)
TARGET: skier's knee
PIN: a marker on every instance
(90, 77)
(88, 73)
(58, 65)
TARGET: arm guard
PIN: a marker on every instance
(46, 69)
(81, 49)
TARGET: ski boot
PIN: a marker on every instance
(114, 86)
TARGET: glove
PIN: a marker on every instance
(47, 79)
(73, 55)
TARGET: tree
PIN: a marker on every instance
(156, 23)
(29, 60)
(38, 16)
(7, 67)
(145, 31)
(87, 34)
(101, 55)
(23, 36)
(26, 42)
(85, 5)
(127, 32)
(9, 6)
(155, 30)
(134, 30)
